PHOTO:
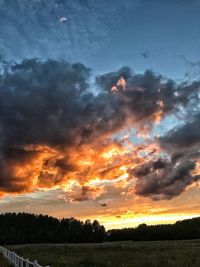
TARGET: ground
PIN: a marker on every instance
(3, 263)
(119, 254)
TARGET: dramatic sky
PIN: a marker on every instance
(99, 109)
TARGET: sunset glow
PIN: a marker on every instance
(99, 111)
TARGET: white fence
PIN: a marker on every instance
(16, 260)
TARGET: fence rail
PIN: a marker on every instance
(16, 260)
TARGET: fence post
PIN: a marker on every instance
(27, 263)
(9, 256)
(12, 257)
(21, 262)
(16, 260)
(35, 264)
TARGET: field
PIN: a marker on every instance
(121, 254)
(3, 263)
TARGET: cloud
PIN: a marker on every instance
(184, 137)
(166, 180)
(47, 116)
(149, 97)
(183, 143)
(85, 193)
(56, 133)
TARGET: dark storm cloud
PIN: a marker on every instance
(185, 137)
(147, 168)
(164, 179)
(50, 103)
(149, 94)
(33, 101)
(8, 159)
(168, 181)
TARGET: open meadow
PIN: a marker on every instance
(3, 262)
(119, 254)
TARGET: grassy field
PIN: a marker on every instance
(3, 263)
(122, 254)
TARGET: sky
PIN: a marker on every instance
(99, 109)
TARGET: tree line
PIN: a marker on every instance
(181, 230)
(25, 228)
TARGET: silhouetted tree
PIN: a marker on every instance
(29, 228)
(186, 229)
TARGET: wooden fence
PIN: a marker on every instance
(16, 260)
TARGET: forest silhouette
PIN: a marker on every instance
(23, 228)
